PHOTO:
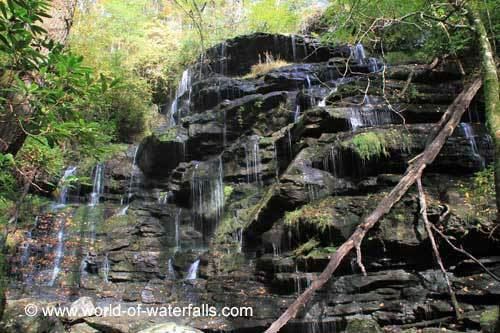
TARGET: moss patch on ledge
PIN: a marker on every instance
(375, 144)
(318, 214)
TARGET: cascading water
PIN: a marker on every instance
(192, 273)
(276, 163)
(296, 115)
(369, 115)
(105, 268)
(59, 255)
(171, 273)
(253, 161)
(207, 195)
(64, 189)
(178, 229)
(294, 47)
(333, 163)
(126, 201)
(63, 200)
(471, 138)
(98, 185)
(359, 55)
(183, 88)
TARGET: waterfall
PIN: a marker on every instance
(98, 185)
(207, 195)
(294, 48)
(177, 230)
(171, 273)
(368, 116)
(276, 162)
(25, 256)
(126, 201)
(223, 58)
(289, 143)
(253, 161)
(123, 211)
(64, 187)
(333, 163)
(296, 115)
(183, 88)
(471, 138)
(105, 268)
(192, 273)
(358, 53)
(59, 255)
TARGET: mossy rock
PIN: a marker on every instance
(116, 222)
(362, 325)
(490, 320)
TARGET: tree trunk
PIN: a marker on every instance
(17, 108)
(490, 88)
(414, 172)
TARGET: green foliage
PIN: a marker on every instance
(409, 26)
(480, 197)
(21, 36)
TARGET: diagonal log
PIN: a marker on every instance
(413, 172)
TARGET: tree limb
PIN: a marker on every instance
(428, 228)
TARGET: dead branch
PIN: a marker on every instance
(435, 249)
(467, 254)
(413, 172)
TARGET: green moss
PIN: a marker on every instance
(321, 252)
(228, 190)
(490, 320)
(169, 135)
(375, 144)
(369, 145)
(318, 214)
(305, 248)
(116, 223)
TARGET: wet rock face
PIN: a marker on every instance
(252, 185)
(236, 56)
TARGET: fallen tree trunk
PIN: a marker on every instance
(414, 171)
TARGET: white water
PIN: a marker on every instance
(192, 273)
(358, 53)
(333, 162)
(25, 256)
(207, 192)
(276, 163)
(183, 88)
(177, 230)
(471, 138)
(59, 254)
(123, 211)
(368, 116)
(296, 115)
(294, 48)
(171, 273)
(126, 201)
(98, 185)
(105, 268)
(64, 190)
(253, 161)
